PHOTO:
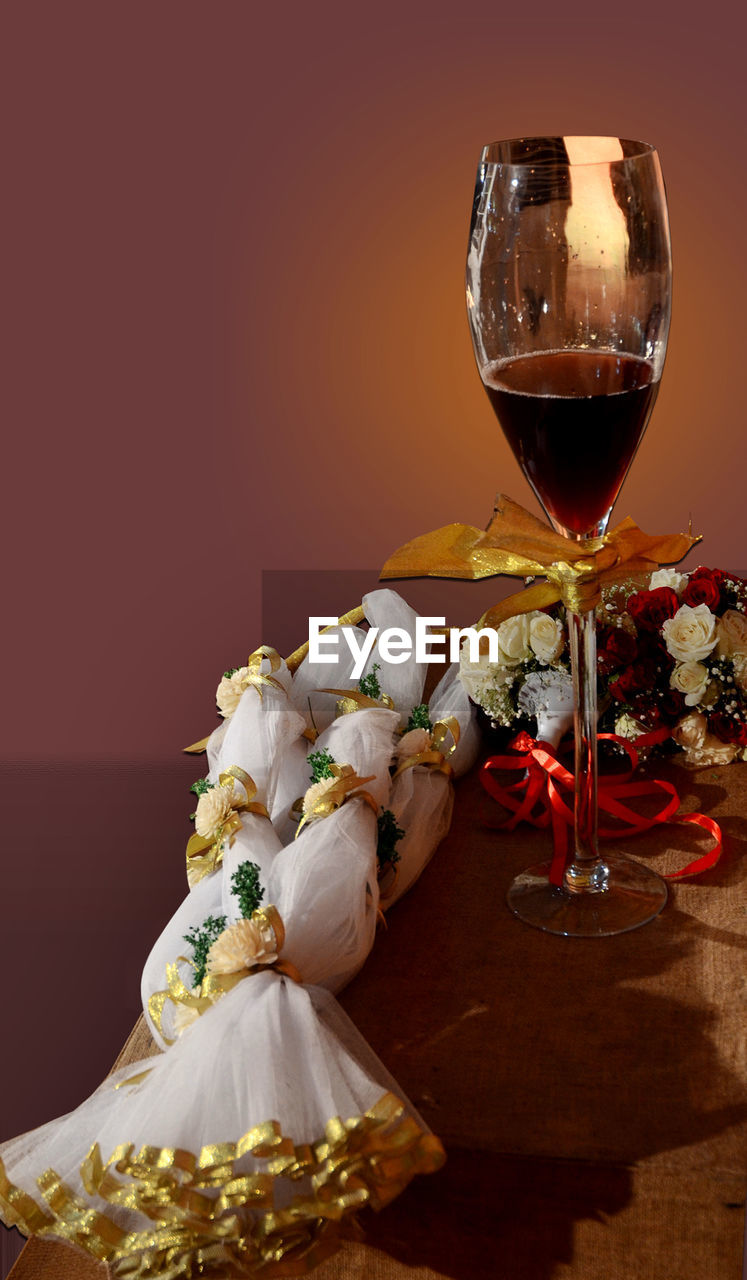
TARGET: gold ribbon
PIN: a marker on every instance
(215, 985)
(254, 679)
(347, 783)
(366, 1159)
(519, 544)
(204, 855)
(353, 700)
(436, 756)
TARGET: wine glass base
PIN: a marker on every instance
(633, 895)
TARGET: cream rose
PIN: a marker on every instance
(412, 743)
(701, 747)
(691, 634)
(213, 808)
(316, 792)
(513, 641)
(546, 637)
(479, 676)
(240, 946)
(229, 691)
(732, 634)
(690, 678)
(668, 578)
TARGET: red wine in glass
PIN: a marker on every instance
(574, 420)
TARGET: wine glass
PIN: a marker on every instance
(568, 296)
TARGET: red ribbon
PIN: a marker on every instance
(538, 798)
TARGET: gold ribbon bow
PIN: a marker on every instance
(519, 544)
(347, 783)
(215, 985)
(436, 756)
(254, 679)
(204, 855)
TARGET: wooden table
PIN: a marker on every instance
(590, 1093)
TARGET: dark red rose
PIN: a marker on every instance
(651, 644)
(649, 609)
(647, 712)
(634, 679)
(644, 674)
(704, 588)
(672, 705)
(728, 729)
(616, 648)
(714, 575)
(624, 688)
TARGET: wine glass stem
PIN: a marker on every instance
(586, 872)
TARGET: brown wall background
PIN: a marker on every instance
(235, 340)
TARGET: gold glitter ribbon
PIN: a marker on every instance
(205, 854)
(205, 1215)
(436, 756)
(215, 985)
(519, 544)
(347, 783)
(353, 700)
(253, 679)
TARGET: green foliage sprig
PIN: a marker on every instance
(201, 940)
(200, 787)
(321, 762)
(246, 887)
(370, 684)
(419, 718)
(231, 672)
(389, 835)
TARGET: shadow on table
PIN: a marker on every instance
(585, 1057)
(485, 1215)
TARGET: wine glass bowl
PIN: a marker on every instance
(568, 297)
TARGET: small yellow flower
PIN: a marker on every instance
(315, 794)
(213, 808)
(241, 946)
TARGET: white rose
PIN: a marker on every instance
(213, 808)
(478, 676)
(240, 946)
(412, 743)
(668, 578)
(732, 634)
(229, 691)
(690, 678)
(700, 746)
(691, 634)
(513, 640)
(316, 792)
(546, 637)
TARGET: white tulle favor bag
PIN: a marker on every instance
(439, 742)
(248, 1143)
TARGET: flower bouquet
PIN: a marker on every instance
(672, 661)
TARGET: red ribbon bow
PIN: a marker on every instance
(538, 798)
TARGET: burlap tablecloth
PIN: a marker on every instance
(590, 1093)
